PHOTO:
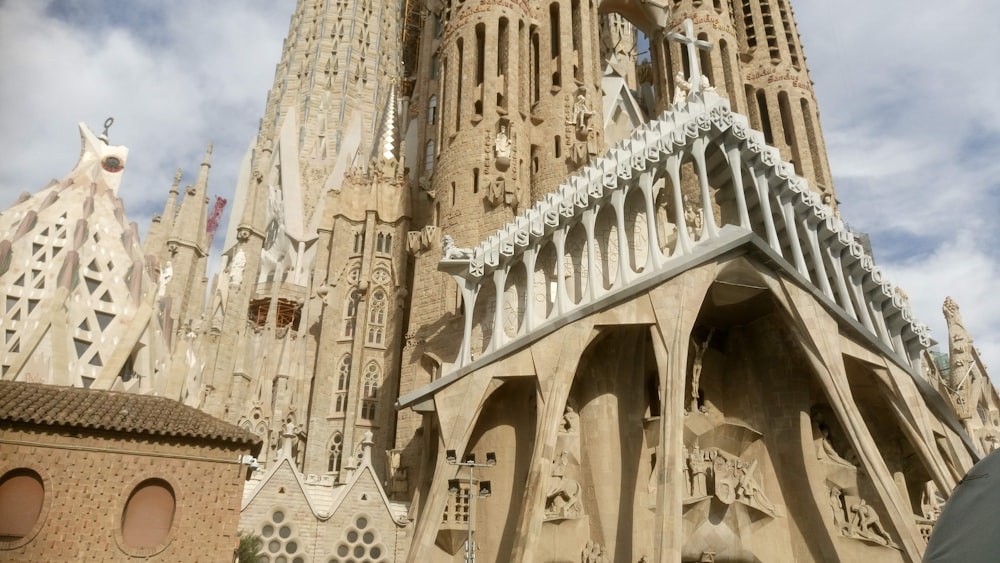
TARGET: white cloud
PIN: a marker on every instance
(905, 89)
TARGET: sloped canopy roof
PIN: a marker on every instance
(72, 407)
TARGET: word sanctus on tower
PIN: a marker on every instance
(523, 281)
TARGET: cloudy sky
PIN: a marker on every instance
(907, 93)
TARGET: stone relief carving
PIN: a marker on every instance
(236, 269)
(571, 422)
(502, 148)
(693, 216)
(562, 500)
(854, 518)
(706, 87)
(681, 88)
(732, 479)
(593, 552)
(581, 114)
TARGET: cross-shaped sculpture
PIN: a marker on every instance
(693, 44)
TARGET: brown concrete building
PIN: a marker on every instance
(105, 476)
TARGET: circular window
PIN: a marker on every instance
(360, 542)
(149, 514)
(282, 542)
(352, 536)
(113, 164)
(22, 496)
(362, 522)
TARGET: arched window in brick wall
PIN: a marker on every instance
(149, 514)
(22, 495)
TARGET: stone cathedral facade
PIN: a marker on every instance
(598, 241)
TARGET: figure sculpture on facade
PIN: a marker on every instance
(699, 357)
(706, 87)
(825, 449)
(581, 114)
(166, 274)
(570, 422)
(593, 552)
(692, 217)
(699, 472)
(748, 490)
(865, 523)
(236, 269)
(563, 497)
(681, 88)
(502, 146)
(453, 252)
(839, 511)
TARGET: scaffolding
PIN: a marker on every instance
(288, 313)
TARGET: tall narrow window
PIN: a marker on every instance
(432, 107)
(429, 157)
(577, 23)
(377, 307)
(524, 82)
(748, 91)
(812, 134)
(749, 31)
(480, 67)
(503, 54)
(351, 312)
(359, 242)
(727, 72)
(536, 89)
(793, 46)
(373, 379)
(769, 32)
(554, 43)
(458, 90)
(788, 127)
(705, 59)
(343, 384)
(765, 117)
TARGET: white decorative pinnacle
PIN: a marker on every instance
(693, 44)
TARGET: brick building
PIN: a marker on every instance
(106, 476)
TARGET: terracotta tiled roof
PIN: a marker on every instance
(50, 405)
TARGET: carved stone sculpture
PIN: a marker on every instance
(865, 523)
(699, 472)
(594, 553)
(571, 422)
(453, 252)
(581, 114)
(236, 269)
(563, 497)
(681, 88)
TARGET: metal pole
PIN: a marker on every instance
(470, 552)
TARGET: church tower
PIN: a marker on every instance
(304, 316)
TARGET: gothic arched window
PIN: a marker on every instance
(372, 380)
(336, 449)
(343, 383)
(351, 312)
(376, 317)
